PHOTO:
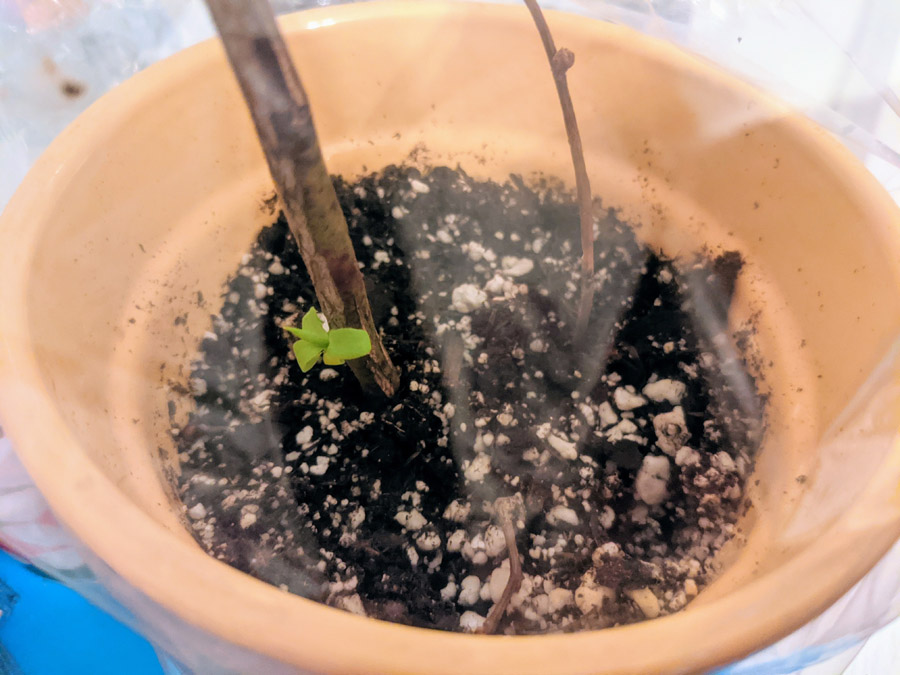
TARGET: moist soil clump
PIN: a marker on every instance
(629, 452)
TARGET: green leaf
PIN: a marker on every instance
(313, 338)
(348, 343)
(307, 354)
(330, 360)
(312, 323)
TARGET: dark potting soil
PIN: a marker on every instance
(629, 454)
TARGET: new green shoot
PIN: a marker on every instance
(333, 346)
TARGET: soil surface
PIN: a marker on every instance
(629, 453)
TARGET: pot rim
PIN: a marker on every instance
(331, 639)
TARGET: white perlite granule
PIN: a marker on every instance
(590, 595)
(652, 480)
(419, 186)
(479, 467)
(457, 511)
(608, 416)
(516, 267)
(428, 541)
(197, 512)
(471, 588)
(411, 520)
(467, 298)
(671, 430)
(471, 621)
(564, 448)
(665, 390)
(646, 601)
(627, 399)
(562, 514)
(448, 592)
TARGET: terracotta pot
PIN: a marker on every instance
(154, 194)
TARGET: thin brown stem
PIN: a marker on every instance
(281, 113)
(585, 304)
(560, 62)
(507, 511)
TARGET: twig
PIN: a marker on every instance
(507, 510)
(560, 62)
(281, 113)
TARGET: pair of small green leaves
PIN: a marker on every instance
(335, 346)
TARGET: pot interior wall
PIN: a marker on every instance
(158, 205)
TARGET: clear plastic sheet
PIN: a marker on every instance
(57, 57)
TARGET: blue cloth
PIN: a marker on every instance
(47, 629)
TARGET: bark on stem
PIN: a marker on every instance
(560, 62)
(281, 113)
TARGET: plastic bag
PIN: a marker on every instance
(56, 58)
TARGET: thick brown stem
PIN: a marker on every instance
(283, 120)
(507, 511)
(560, 61)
